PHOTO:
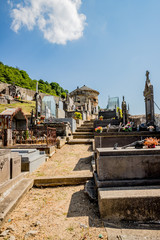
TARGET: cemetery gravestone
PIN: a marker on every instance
(4, 165)
(149, 100)
(124, 111)
(15, 163)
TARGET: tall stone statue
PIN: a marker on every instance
(124, 111)
(149, 101)
(38, 102)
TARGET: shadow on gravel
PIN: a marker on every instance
(80, 205)
(83, 164)
(133, 225)
(90, 149)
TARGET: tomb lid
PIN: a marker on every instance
(128, 151)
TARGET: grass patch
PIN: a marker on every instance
(40, 174)
(70, 229)
(26, 106)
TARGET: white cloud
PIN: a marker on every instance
(59, 20)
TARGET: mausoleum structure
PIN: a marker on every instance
(86, 99)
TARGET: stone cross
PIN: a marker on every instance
(147, 75)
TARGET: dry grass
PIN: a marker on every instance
(26, 106)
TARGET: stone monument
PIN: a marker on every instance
(124, 111)
(38, 102)
(149, 101)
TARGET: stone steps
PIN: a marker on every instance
(89, 121)
(6, 186)
(83, 136)
(87, 125)
(80, 141)
(61, 181)
(84, 129)
(129, 203)
(8, 202)
(82, 133)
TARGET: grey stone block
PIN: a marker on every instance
(129, 204)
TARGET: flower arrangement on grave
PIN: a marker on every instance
(120, 114)
(127, 127)
(99, 129)
(151, 142)
(42, 117)
(77, 115)
(17, 97)
(150, 128)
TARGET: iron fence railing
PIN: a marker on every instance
(35, 136)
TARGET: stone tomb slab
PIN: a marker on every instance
(4, 165)
(31, 159)
(127, 164)
(129, 204)
(15, 164)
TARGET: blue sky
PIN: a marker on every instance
(107, 45)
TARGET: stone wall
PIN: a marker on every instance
(26, 94)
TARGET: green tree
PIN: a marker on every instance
(21, 78)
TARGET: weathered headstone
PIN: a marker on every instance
(4, 165)
(124, 111)
(38, 102)
(15, 164)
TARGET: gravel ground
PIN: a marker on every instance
(62, 213)
(55, 214)
(70, 160)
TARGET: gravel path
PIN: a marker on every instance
(62, 213)
(70, 160)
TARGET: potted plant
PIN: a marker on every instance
(99, 129)
(151, 142)
(150, 128)
(78, 115)
(127, 127)
(101, 118)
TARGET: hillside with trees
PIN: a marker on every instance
(21, 78)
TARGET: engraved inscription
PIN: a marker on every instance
(2, 163)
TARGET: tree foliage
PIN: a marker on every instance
(21, 78)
